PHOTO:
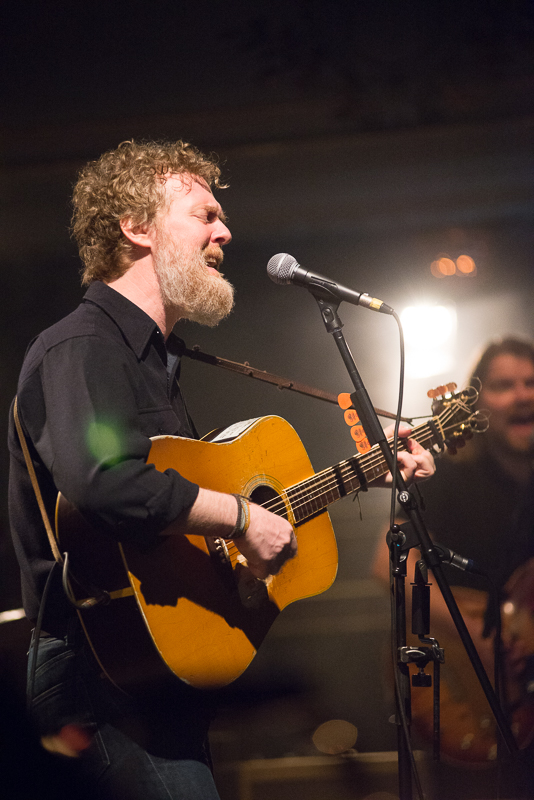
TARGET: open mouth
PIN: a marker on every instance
(522, 419)
(212, 267)
(213, 264)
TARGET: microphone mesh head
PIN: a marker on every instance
(280, 268)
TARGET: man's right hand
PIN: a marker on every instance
(268, 543)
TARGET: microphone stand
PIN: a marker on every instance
(328, 305)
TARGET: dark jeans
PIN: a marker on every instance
(157, 752)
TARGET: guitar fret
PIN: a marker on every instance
(218, 601)
(316, 493)
(309, 497)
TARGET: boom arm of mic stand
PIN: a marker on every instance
(328, 306)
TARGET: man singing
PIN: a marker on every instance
(92, 391)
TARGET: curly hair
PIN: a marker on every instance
(127, 182)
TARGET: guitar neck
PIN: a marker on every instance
(315, 494)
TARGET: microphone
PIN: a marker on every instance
(448, 556)
(283, 268)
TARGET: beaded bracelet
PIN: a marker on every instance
(243, 517)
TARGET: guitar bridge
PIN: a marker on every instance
(219, 548)
(252, 591)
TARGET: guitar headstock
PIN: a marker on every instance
(453, 420)
(454, 416)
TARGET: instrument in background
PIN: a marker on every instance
(468, 728)
(190, 608)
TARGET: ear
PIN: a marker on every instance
(141, 235)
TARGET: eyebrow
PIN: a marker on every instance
(216, 210)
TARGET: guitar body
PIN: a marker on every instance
(189, 608)
(468, 731)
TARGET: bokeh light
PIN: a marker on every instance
(445, 267)
(466, 265)
(335, 736)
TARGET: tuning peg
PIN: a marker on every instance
(439, 391)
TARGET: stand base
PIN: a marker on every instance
(353, 777)
(360, 776)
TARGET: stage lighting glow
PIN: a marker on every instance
(429, 334)
(445, 267)
(466, 265)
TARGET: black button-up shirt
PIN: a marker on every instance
(92, 391)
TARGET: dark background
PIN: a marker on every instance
(365, 138)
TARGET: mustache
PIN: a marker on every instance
(214, 254)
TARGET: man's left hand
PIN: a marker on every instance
(416, 463)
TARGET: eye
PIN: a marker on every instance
(207, 216)
(500, 386)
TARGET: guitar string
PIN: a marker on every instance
(322, 485)
(326, 484)
(276, 504)
(312, 489)
(319, 485)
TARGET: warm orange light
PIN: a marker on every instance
(447, 266)
(434, 269)
(444, 266)
(466, 265)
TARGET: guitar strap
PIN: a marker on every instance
(35, 484)
(99, 595)
(32, 663)
(268, 377)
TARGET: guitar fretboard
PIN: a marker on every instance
(315, 494)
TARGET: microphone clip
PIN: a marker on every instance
(328, 308)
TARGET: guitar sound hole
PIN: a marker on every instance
(264, 495)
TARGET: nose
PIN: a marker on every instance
(220, 234)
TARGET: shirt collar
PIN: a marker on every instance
(136, 326)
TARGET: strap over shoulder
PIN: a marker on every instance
(31, 469)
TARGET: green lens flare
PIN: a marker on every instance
(104, 442)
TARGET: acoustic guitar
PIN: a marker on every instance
(468, 731)
(189, 608)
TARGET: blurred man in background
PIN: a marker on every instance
(480, 503)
